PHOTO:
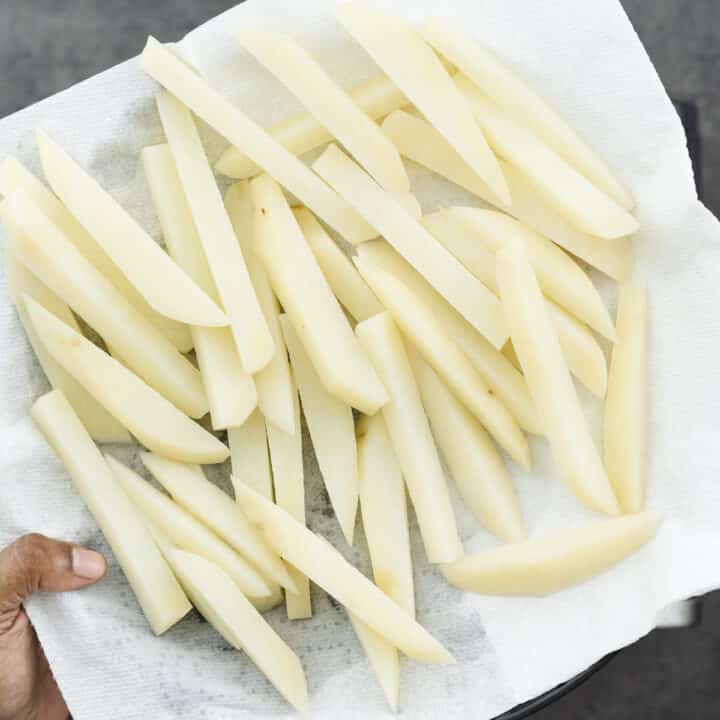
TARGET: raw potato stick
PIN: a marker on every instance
(588, 209)
(154, 421)
(308, 301)
(475, 464)
(184, 531)
(626, 404)
(314, 556)
(503, 379)
(46, 252)
(190, 488)
(537, 346)
(15, 176)
(249, 455)
(330, 104)
(343, 278)
(230, 390)
(521, 103)
(143, 262)
(225, 259)
(155, 587)
(332, 431)
(227, 119)
(426, 333)
(412, 439)
(401, 52)
(274, 386)
(545, 565)
(444, 272)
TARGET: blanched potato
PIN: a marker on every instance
(249, 454)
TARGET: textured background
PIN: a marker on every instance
(48, 45)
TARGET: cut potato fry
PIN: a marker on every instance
(571, 194)
(504, 380)
(190, 488)
(14, 176)
(538, 348)
(412, 440)
(427, 334)
(330, 104)
(521, 103)
(626, 405)
(384, 512)
(286, 457)
(249, 455)
(143, 262)
(225, 259)
(158, 592)
(545, 565)
(274, 386)
(184, 531)
(309, 303)
(45, 251)
(401, 52)
(230, 390)
(227, 119)
(154, 421)
(314, 556)
(560, 278)
(475, 465)
(332, 431)
(342, 276)
(444, 272)
(301, 132)
(221, 603)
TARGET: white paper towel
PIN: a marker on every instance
(587, 61)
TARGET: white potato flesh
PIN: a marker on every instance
(417, 140)
(383, 507)
(626, 404)
(548, 377)
(154, 421)
(189, 487)
(503, 379)
(46, 252)
(224, 257)
(286, 457)
(401, 52)
(443, 271)
(227, 119)
(332, 431)
(230, 390)
(476, 466)
(521, 103)
(571, 194)
(158, 592)
(224, 606)
(329, 103)
(559, 276)
(15, 176)
(315, 557)
(343, 278)
(411, 437)
(308, 301)
(143, 262)
(249, 454)
(301, 132)
(186, 532)
(548, 564)
(274, 386)
(423, 330)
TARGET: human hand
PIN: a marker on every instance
(27, 687)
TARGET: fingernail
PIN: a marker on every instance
(88, 564)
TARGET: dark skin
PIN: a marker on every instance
(33, 563)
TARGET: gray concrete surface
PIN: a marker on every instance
(47, 45)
